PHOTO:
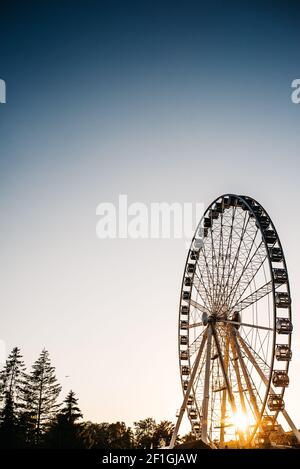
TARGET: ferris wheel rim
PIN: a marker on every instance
(248, 202)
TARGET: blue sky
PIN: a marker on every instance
(163, 101)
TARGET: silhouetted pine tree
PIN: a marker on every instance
(42, 391)
(10, 436)
(12, 379)
(71, 411)
(64, 432)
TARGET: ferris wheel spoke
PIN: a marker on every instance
(246, 346)
(232, 272)
(195, 324)
(254, 297)
(218, 287)
(207, 299)
(194, 347)
(213, 266)
(235, 282)
(228, 251)
(199, 307)
(244, 324)
(200, 267)
(208, 272)
(250, 271)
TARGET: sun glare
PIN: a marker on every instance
(241, 420)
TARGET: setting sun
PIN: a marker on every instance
(241, 420)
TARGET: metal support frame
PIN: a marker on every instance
(266, 382)
(206, 387)
(188, 391)
(227, 383)
(224, 396)
(239, 380)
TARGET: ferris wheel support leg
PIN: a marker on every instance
(205, 403)
(265, 380)
(247, 379)
(224, 397)
(226, 379)
(188, 391)
(239, 378)
(246, 376)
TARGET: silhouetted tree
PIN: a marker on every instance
(144, 432)
(188, 438)
(119, 436)
(71, 411)
(12, 379)
(105, 436)
(163, 433)
(95, 435)
(64, 432)
(10, 436)
(42, 391)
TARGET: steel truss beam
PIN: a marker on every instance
(266, 382)
(206, 387)
(188, 391)
(226, 379)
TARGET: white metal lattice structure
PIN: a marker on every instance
(234, 325)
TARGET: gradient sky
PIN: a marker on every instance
(175, 101)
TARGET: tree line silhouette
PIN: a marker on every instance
(31, 415)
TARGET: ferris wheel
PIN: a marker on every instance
(234, 330)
